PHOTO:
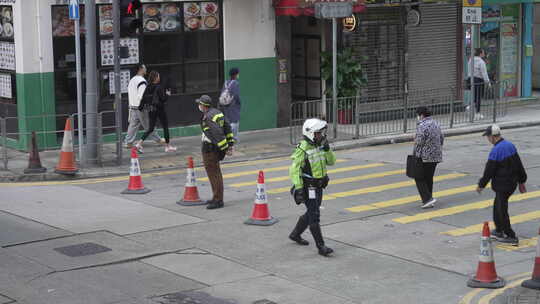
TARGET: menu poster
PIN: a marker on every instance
(5, 86)
(124, 81)
(201, 16)
(7, 56)
(509, 57)
(105, 20)
(107, 51)
(6, 22)
(62, 26)
(161, 17)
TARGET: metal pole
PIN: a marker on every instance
(334, 75)
(472, 106)
(118, 91)
(3, 125)
(91, 82)
(79, 90)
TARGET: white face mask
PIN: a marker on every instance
(201, 108)
(419, 117)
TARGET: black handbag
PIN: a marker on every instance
(415, 167)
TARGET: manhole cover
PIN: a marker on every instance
(83, 249)
(264, 301)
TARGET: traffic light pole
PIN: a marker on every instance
(80, 127)
(118, 90)
(91, 82)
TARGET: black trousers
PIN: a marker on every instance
(313, 213)
(425, 184)
(478, 92)
(160, 114)
(500, 214)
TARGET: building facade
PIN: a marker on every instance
(192, 44)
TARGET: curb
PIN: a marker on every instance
(338, 146)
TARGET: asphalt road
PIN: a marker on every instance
(148, 249)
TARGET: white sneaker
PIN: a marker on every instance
(429, 204)
(139, 148)
(170, 148)
(467, 108)
(478, 116)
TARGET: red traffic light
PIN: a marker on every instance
(133, 5)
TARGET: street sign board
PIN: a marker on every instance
(472, 3)
(472, 15)
(333, 9)
(74, 10)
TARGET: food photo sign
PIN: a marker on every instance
(201, 16)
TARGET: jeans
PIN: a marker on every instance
(478, 92)
(425, 184)
(235, 126)
(136, 119)
(500, 214)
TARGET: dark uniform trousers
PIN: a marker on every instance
(211, 161)
(313, 213)
(500, 214)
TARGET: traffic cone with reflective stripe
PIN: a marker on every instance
(135, 185)
(66, 164)
(191, 193)
(261, 214)
(486, 275)
(534, 282)
(34, 162)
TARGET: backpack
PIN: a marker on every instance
(226, 98)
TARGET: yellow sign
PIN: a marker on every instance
(472, 3)
(349, 23)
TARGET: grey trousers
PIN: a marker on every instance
(136, 119)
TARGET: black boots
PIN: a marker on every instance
(317, 236)
(215, 205)
(296, 233)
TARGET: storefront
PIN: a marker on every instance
(506, 36)
(192, 44)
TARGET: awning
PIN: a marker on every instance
(306, 8)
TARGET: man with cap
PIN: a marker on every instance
(217, 140)
(505, 171)
(232, 110)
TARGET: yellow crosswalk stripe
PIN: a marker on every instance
(255, 172)
(409, 199)
(520, 218)
(284, 178)
(523, 243)
(461, 209)
(347, 179)
(385, 187)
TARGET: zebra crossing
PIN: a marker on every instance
(358, 188)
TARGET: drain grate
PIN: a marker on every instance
(83, 249)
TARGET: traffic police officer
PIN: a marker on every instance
(217, 140)
(309, 178)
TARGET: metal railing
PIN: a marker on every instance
(53, 139)
(363, 116)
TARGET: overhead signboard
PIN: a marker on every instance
(472, 3)
(333, 9)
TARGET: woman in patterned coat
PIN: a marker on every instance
(428, 146)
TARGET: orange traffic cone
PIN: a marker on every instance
(135, 181)
(191, 194)
(34, 162)
(261, 214)
(66, 164)
(486, 275)
(534, 282)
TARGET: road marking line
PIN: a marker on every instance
(492, 295)
(470, 295)
(275, 169)
(283, 178)
(145, 175)
(409, 199)
(346, 180)
(461, 209)
(524, 243)
(520, 218)
(381, 188)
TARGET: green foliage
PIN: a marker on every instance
(350, 76)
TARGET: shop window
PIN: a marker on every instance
(8, 93)
(202, 77)
(202, 45)
(171, 77)
(164, 48)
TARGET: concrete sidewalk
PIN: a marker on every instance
(254, 145)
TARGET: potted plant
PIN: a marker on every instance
(350, 79)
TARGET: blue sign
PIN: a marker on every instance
(74, 10)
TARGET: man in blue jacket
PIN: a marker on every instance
(505, 171)
(232, 110)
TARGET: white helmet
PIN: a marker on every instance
(311, 126)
